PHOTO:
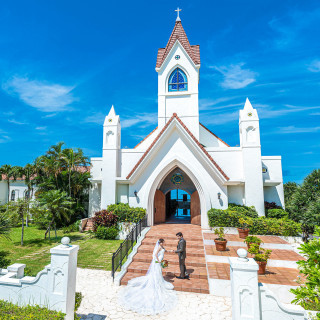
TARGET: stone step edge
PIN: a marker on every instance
(271, 262)
(143, 272)
(191, 264)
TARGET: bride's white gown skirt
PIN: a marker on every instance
(149, 294)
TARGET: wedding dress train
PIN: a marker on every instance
(149, 294)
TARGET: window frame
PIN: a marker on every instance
(170, 84)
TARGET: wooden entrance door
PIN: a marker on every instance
(195, 209)
(159, 207)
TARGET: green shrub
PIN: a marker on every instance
(248, 211)
(106, 233)
(79, 298)
(104, 218)
(72, 227)
(4, 261)
(260, 225)
(125, 213)
(10, 311)
(307, 294)
(277, 213)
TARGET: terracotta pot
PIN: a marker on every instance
(262, 267)
(243, 233)
(221, 245)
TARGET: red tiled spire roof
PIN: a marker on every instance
(192, 136)
(178, 33)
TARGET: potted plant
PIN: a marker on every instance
(221, 242)
(249, 240)
(244, 229)
(261, 256)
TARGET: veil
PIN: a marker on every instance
(152, 264)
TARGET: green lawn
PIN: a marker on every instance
(94, 253)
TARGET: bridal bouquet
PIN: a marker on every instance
(164, 263)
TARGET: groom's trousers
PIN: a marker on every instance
(182, 266)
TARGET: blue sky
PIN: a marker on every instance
(64, 63)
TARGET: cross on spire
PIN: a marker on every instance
(178, 11)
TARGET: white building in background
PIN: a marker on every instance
(17, 190)
(181, 153)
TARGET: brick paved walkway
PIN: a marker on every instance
(195, 261)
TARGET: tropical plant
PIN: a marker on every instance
(125, 213)
(106, 233)
(19, 209)
(307, 294)
(289, 189)
(54, 205)
(304, 205)
(277, 213)
(245, 223)
(271, 205)
(65, 170)
(220, 233)
(247, 211)
(253, 239)
(5, 224)
(258, 253)
(4, 261)
(104, 218)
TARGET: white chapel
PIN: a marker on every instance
(182, 169)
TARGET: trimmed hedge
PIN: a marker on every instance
(277, 213)
(260, 225)
(247, 211)
(10, 311)
(125, 213)
(106, 233)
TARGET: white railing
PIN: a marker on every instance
(53, 288)
(251, 300)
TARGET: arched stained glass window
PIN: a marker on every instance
(178, 80)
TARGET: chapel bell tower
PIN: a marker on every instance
(178, 67)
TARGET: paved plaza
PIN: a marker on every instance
(100, 301)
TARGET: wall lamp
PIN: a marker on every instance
(136, 193)
(219, 195)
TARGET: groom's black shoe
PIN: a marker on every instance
(187, 277)
(180, 277)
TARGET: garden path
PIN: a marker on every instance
(100, 302)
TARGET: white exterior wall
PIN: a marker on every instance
(236, 194)
(176, 150)
(273, 176)
(209, 140)
(184, 103)
(3, 192)
(123, 193)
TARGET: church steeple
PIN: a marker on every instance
(179, 34)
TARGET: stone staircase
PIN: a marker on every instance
(89, 225)
(195, 261)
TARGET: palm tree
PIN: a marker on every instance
(19, 208)
(28, 172)
(57, 205)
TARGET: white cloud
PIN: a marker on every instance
(294, 129)
(236, 77)
(314, 66)
(4, 138)
(16, 122)
(97, 118)
(41, 128)
(143, 120)
(40, 94)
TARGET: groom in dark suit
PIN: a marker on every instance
(181, 251)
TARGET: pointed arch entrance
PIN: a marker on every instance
(176, 199)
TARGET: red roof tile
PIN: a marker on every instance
(178, 33)
(213, 134)
(192, 136)
(146, 137)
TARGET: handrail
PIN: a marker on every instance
(123, 251)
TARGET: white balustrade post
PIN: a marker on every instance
(62, 279)
(244, 287)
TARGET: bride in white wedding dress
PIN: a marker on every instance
(149, 294)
